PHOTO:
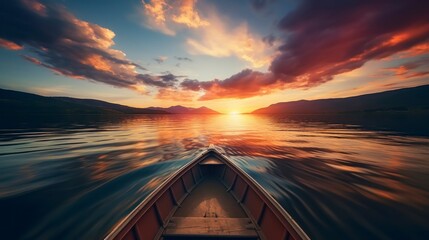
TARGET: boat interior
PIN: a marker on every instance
(210, 212)
(208, 199)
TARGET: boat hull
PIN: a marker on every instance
(160, 216)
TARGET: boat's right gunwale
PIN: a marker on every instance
(275, 207)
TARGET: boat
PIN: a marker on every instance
(208, 198)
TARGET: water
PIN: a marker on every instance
(340, 177)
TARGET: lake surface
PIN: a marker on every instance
(340, 177)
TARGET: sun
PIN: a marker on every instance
(234, 113)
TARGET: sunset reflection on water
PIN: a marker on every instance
(337, 179)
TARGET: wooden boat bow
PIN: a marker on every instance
(209, 197)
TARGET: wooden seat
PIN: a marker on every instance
(210, 227)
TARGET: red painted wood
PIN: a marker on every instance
(196, 173)
(239, 187)
(229, 176)
(129, 236)
(148, 225)
(178, 190)
(165, 205)
(189, 182)
(271, 226)
(253, 203)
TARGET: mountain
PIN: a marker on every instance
(406, 99)
(20, 103)
(186, 110)
(110, 106)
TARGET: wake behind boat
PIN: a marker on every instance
(209, 198)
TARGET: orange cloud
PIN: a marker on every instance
(401, 70)
(9, 45)
(411, 69)
(322, 41)
(168, 15)
(189, 16)
(214, 35)
(223, 40)
(98, 62)
(155, 16)
(244, 84)
(418, 50)
(72, 47)
(176, 95)
(32, 59)
(35, 6)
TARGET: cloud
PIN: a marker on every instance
(9, 45)
(160, 59)
(154, 13)
(411, 69)
(316, 41)
(166, 80)
(168, 77)
(184, 59)
(191, 84)
(176, 95)
(247, 83)
(418, 50)
(188, 15)
(167, 15)
(322, 39)
(213, 35)
(418, 74)
(270, 40)
(225, 39)
(327, 38)
(69, 46)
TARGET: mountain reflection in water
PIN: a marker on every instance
(355, 177)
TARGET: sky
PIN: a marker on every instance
(231, 56)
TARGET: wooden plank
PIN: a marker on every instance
(210, 199)
(204, 227)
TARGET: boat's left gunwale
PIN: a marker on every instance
(126, 224)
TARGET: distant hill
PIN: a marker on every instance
(21, 103)
(401, 100)
(110, 106)
(186, 110)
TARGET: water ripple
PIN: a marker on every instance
(339, 180)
